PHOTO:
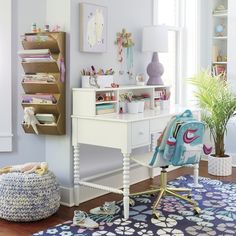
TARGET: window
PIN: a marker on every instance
(180, 16)
(5, 77)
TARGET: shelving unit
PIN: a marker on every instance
(90, 95)
(55, 42)
(219, 9)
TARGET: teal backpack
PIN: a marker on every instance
(182, 142)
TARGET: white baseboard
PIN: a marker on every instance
(67, 196)
(112, 178)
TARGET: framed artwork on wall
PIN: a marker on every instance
(93, 28)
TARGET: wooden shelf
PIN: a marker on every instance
(40, 67)
(220, 62)
(54, 129)
(47, 87)
(54, 108)
(49, 44)
(56, 44)
(220, 37)
(105, 102)
(220, 14)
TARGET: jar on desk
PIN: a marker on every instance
(157, 104)
(147, 103)
(165, 105)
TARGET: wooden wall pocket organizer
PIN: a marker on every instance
(55, 69)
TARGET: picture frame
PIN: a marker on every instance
(93, 28)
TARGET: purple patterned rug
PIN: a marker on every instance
(217, 200)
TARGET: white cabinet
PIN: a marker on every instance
(231, 73)
(219, 28)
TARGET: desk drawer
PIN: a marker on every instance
(140, 133)
(159, 124)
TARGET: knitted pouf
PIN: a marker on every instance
(28, 197)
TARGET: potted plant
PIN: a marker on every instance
(218, 105)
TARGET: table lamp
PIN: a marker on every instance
(155, 39)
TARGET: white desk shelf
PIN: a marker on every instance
(85, 98)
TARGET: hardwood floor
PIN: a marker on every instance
(66, 213)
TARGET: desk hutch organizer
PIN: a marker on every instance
(56, 44)
(90, 95)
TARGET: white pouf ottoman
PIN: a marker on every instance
(28, 197)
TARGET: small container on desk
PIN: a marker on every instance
(133, 107)
(141, 104)
(103, 81)
(165, 105)
(123, 107)
(147, 103)
(157, 104)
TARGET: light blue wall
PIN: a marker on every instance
(57, 151)
(132, 15)
(26, 148)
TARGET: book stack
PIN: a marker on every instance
(105, 109)
(35, 38)
(38, 78)
(38, 98)
(36, 55)
(219, 70)
(46, 119)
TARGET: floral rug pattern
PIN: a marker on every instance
(217, 200)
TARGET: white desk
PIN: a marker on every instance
(121, 131)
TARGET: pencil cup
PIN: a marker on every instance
(133, 107)
(123, 107)
(141, 106)
(165, 105)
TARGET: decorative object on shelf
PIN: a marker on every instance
(224, 58)
(155, 39)
(140, 79)
(46, 28)
(34, 28)
(124, 41)
(30, 119)
(216, 117)
(114, 85)
(220, 9)
(220, 30)
(219, 58)
(93, 28)
(56, 28)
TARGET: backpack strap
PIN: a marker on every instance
(185, 114)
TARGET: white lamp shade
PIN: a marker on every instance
(155, 39)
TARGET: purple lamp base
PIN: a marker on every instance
(155, 70)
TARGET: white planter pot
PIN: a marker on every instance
(219, 166)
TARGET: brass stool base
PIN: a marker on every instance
(165, 190)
